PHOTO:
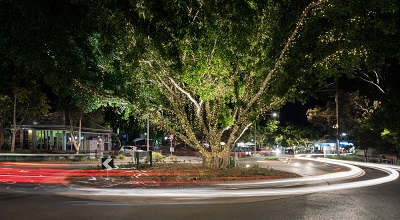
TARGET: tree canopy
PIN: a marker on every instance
(212, 67)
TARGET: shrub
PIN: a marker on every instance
(80, 157)
(157, 157)
(347, 157)
(185, 178)
(271, 158)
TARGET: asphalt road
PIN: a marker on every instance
(32, 201)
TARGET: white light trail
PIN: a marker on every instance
(247, 189)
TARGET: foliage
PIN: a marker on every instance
(300, 136)
(347, 157)
(384, 120)
(212, 66)
(156, 156)
(57, 43)
(80, 157)
(265, 134)
(271, 158)
(21, 99)
(354, 112)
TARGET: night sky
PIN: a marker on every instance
(295, 113)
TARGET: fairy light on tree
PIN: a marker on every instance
(212, 74)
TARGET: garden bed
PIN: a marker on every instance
(171, 175)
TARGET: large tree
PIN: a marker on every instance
(213, 66)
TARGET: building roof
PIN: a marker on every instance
(60, 121)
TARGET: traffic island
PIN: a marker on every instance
(171, 175)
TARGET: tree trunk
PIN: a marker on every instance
(75, 143)
(216, 159)
(1, 137)
(14, 127)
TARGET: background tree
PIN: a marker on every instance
(265, 134)
(300, 136)
(354, 112)
(56, 43)
(367, 32)
(22, 98)
(383, 121)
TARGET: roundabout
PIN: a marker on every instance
(252, 190)
(328, 189)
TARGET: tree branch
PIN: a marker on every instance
(368, 79)
(244, 130)
(198, 105)
(284, 51)
(99, 92)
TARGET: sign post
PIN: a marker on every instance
(107, 163)
(140, 154)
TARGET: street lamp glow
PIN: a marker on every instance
(274, 114)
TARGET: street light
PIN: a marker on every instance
(274, 114)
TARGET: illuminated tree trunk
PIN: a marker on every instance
(77, 144)
(216, 159)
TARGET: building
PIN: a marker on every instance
(329, 146)
(53, 133)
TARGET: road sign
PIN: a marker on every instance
(107, 163)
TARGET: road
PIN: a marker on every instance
(38, 201)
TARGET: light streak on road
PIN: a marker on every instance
(30, 175)
(217, 193)
(34, 164)
(352, 173)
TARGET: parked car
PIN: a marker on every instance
(127, 150)
(289, 151)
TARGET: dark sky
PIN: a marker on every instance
(295, 113)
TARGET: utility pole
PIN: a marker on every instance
(148, 133)
(337, 120)
(255, 137)
(336, 90)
